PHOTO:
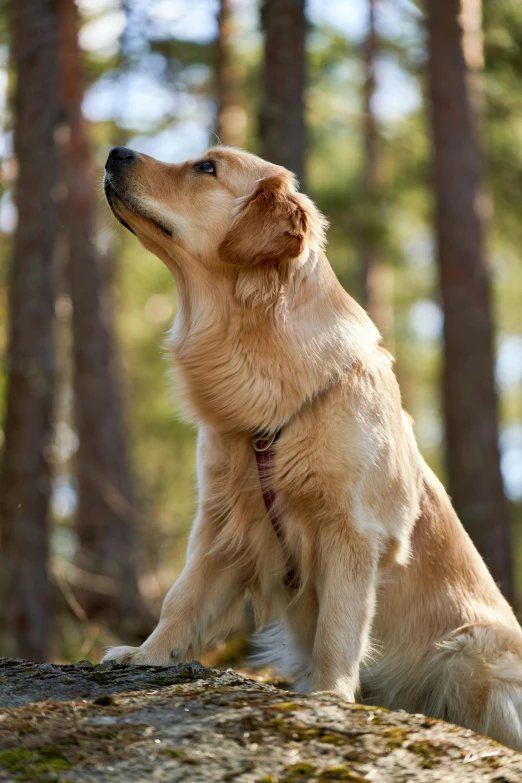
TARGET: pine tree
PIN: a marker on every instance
(25, 477)
(282, 121)
(377, 280)
(106, 519)
(469, 395)
(231, 114)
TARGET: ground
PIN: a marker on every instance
(123, 724)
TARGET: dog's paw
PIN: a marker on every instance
(121, 655)
(138, 656)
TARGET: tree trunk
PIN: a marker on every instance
(106, 514)
(25, 478)
(470, 401)
(377, 277)
(282, 123)
(230, 77)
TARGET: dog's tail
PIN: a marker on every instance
(476, 681)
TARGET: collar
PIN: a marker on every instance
(263, 442)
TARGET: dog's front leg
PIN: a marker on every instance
(346, 592)
(202, 605)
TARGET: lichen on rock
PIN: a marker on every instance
(85, 723)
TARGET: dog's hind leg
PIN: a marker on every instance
(476, 682)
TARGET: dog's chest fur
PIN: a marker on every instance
(329, 462)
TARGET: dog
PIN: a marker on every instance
(340, 535)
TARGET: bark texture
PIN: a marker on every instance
(106, 516)
(370, 143)
(25, 477)
(230, 77)
(470, 400)
(282, 122)
(377, 277)
(75, 724)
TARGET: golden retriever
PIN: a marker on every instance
(392, 603)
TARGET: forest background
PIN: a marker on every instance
(403, 123)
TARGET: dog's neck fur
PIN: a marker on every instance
(303, 338)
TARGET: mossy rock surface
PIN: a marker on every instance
(190, 724)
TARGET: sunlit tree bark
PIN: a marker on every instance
(377, 277)
(470, 401)
(231, 114)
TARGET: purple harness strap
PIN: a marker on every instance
(265, 457)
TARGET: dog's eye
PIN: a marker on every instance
(206, 166)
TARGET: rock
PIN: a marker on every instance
(83, 723)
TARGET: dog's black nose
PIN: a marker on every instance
(119, 155)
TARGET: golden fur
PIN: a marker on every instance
(395, 606)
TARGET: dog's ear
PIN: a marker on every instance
(271, 225)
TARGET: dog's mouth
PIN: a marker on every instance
(112, 196)
(116, 196)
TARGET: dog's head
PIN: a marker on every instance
(227, 210)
